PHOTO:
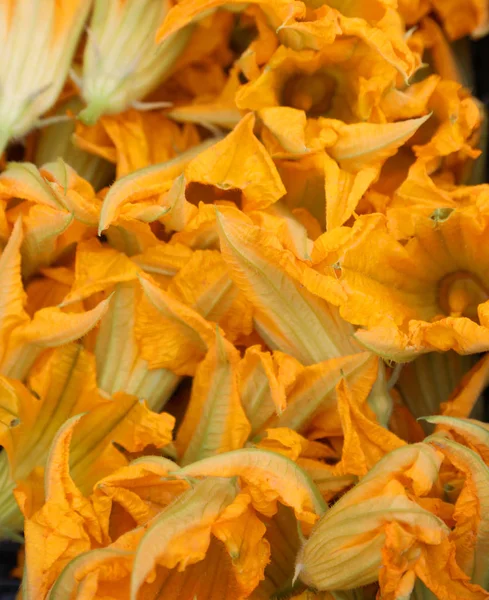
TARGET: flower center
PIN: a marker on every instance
(310, 93)
(459, 295)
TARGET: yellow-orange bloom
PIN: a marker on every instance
(427, 294)
(237, 509)
(379, 530)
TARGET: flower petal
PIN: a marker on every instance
(150, 183)
(12, 295)
(49, 328)
(240, 162)
(215, 421)
(268, 476)
(471, 532)
(165, 541)
(270, 278)
(163, 323)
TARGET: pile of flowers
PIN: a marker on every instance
(244, 300)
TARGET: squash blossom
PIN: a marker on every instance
(244, 300)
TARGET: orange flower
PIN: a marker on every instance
(428, 294)
(380, 528)
(63, 385)
(470, 534)
(238, 509)
(165, 333)
(345, 80)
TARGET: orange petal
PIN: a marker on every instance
(97, 268)
(150, 183)
(344, 191)
(171, 335)
(49, 328)
(12, 295)
(365, 442)
(314, 391)
(471, 516)
(166, 540)
(204, 284)
(240, 162)
(367, 144)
